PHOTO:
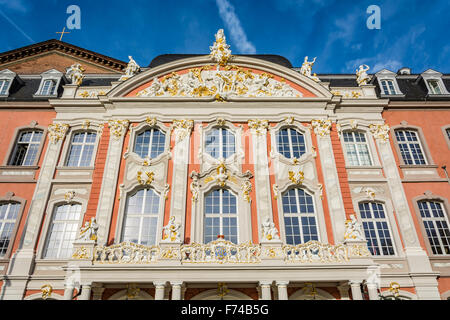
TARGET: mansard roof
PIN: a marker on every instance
(166, 58)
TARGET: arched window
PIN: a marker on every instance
(410, 147)
(141, 217)
(436, 225)
(376, 228)
(220, 216)
(62, 231)
(299, 217)
(81, 149)
(26, 148)
(291, 143)
(8, 216)
(356, 148)
(220, 143)
(150, 143)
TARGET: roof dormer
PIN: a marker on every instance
(434, 83)
(6, 79)
(387, 80)
(49, 85)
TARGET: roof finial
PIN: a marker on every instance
(220, 51)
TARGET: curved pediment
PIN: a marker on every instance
(219, 76)
(200, 78)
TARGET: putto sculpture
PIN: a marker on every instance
(75, 74)
(353, 230)
(361, 74)
(89, 231)
(270, 232)
(306, 69)
(220, 50)
(172, 231)
(131, 69)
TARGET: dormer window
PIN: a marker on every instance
(6, 79)
(387, 80)
(434, 83)
(388, 87)
(49, 83)
(48, 88)
(434, 86)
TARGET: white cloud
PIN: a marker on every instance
(231, 20)
(15, 5)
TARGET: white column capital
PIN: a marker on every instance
(159, 284)
(265, 283)
(282, 283)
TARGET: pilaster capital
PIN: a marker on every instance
(159, 284)
(265, 283)
(175, 283)
(282, 283)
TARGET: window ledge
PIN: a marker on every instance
(45, 96)
(397, 95)
(19, 167)
(64, 168)
(363, 167)
(416, 166)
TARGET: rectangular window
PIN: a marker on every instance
(410, 147)
(81, 149)
(434, 87)
(62, 232)
(4, 85)
(436, 225)
(26, 148)
(48, 88)
(376, 229)
(356, 149)
(8, 217)
(388, 87)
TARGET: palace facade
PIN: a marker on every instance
(220, 176)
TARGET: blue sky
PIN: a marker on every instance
(415, 34)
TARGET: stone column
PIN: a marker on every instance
(176, 289)
(97, 293)
(160, 287)
(68, 291)
(373, 291)
(265, 290)
(356, 290)
(343, 291)
(85, 292)
(282, 290)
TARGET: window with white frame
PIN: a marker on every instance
(388, 87)
(150, 143)
(141, 217)
(434, 86)
(48, 88)
(410, 147)
(291, 143)
(376, 229)
(220, 143)
(300, 221)
(81, 149)
(356, 148)
(26, 148)
(4, 86)
(8, 216)
(63, 231)
(220, 216)
(448, 133)
(436, 224)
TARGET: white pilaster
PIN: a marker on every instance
(282, 290)
(176, 289)
(356, 290)
(160, 287)
(85, 292)
(68, 291)
(373, 291)
(343, 291)
(265, 290)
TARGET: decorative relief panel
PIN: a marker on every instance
(118, 128)
(57, 131)
(380, 131)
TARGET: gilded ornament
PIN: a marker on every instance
(57, 131)
(75, 74)
(296, 177)
(80, 254)
(321, 127)
(246, 189)
(151, 121)
(118, 127)
(182, 129)
(145, 178)
(362, 78)
(46, 291)
(69, 195)
(380, 131)
(259, 126)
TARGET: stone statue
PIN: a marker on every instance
(89, 231)
(361, 74)
(131, 69)
(353, 230)
(171, 231)
(220, 51)
(307, 68)
(269, 230)
(75, 74)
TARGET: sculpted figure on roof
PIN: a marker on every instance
(75, 74)
(362, 76)
(131, 69)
